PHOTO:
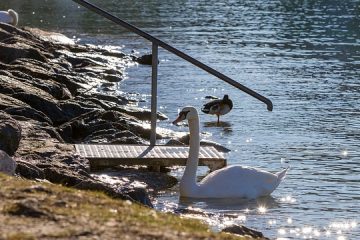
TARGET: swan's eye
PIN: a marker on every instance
(183, 114)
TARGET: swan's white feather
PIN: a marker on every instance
(238, 181)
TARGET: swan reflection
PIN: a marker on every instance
(259, 205)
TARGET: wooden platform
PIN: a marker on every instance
(103, 156)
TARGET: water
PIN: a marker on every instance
(303, 55)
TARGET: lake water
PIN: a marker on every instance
(303, 55)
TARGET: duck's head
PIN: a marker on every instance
(187, 113)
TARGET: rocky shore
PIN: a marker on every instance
(55, 93)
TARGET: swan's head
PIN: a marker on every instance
(187, 113)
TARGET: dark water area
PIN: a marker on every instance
(303, 55)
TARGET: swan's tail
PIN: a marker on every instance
(281, 175)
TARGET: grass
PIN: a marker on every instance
(34, 210)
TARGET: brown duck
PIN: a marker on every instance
(218, 107)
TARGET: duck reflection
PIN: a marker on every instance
(226, 126)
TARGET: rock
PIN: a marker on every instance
(116, 127)
(107, 85)
(51, 131)
(4, 35)
(46, 106)
(79, 131)
(145, 59)
(115, 100)
(130, 177)
(73, 109)
(186, 138)
(10, 134)
(62, 176)
(28, 170)
(140, 113)
(114, 137)
(216, 145)
(8, 101)
(77, 128)
(74, 84)
(91, 184)
(14, 31)
(211, 97)
(112, 77)
(7, 164)
(174, 142)
(139, 195)
(9, 53)
(28, 112)
(126, 137)
(30, 73)
(51, 37)
(34, 97)
(244, 231)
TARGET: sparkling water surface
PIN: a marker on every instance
(303, 55)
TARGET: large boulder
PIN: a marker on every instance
(10, 134)
(7, 164)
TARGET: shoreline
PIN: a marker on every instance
(52, 92)
(50, 99)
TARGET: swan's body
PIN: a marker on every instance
(229, 182)
(9, 17)
(218, 107)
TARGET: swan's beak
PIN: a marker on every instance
(181, 117)
(176, 121)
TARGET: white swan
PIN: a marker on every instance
(229, 182)
(9, 16)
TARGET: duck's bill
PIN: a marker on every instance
(205, 110)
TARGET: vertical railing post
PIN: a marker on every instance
(154, 93)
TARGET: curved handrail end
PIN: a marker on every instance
(269, 105)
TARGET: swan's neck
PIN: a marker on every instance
(188, 181)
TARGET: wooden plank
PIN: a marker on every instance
(106, 155)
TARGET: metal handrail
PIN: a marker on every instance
(157, 42)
